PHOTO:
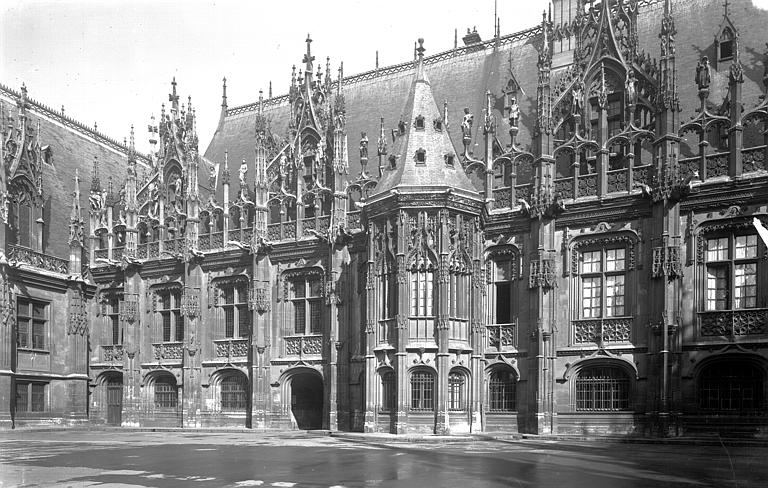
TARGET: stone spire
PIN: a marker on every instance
(76, 216)
(223, 113)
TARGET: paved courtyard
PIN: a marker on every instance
(190, 459)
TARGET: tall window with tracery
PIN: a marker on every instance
(22, 219)
(32, 324)
(459, 296)
(732, 272)
(422, 391)
(171, 320)
(166, 392)
(234, 392)
(457, 395)
(422, 312)
(306, 300)
(237, 317)
(387, 291)
(388, 391)
(114, 334)
(501, 292)
(421, 294)
(602, 286)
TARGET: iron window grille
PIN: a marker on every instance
(502, 389)
(422, 391)
(602, 389)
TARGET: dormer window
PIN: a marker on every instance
(438, 125)
(421, 156)
(420, 122)
(401, 128)
(392, 161)
(726, 40)
(449, 160)
(726, 49)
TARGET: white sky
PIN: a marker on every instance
(112, 62)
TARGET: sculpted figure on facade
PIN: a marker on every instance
(703, 74)
(154, 198)
(578, 98)
(363, 146)
(242, 172)
(630, 88)
(466, 124)
(514, 112)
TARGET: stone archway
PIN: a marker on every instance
(307, 400)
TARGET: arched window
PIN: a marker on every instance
(166, 392)
(422, 391)
(457, 391)
(731, 386)
(602, 389)
(234, 392)
(502, 391)
(388, 392)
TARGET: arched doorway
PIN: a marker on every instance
(307, 400)
(113, 387)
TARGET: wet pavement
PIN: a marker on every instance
(192, 459)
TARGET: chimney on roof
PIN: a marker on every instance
(472, 37)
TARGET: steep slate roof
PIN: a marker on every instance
(73, 146)
(459, 76)
(462, 76)
(436, 144)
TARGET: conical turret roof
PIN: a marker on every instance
(422, 153)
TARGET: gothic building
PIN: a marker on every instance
(553, 231)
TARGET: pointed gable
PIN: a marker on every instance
(422, 153)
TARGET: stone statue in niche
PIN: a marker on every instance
(578, 98)
(242, 172)
(703, 74)
(212, 177)
(97, 202)
(363, 146)
(630, 88)
(514, 112)
(178, 199)
(466, 124)
(154, 197)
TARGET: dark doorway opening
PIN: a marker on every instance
(114, 386)
(307, 401)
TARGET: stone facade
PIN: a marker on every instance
(586, 259)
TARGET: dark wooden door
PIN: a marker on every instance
(114, 402)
